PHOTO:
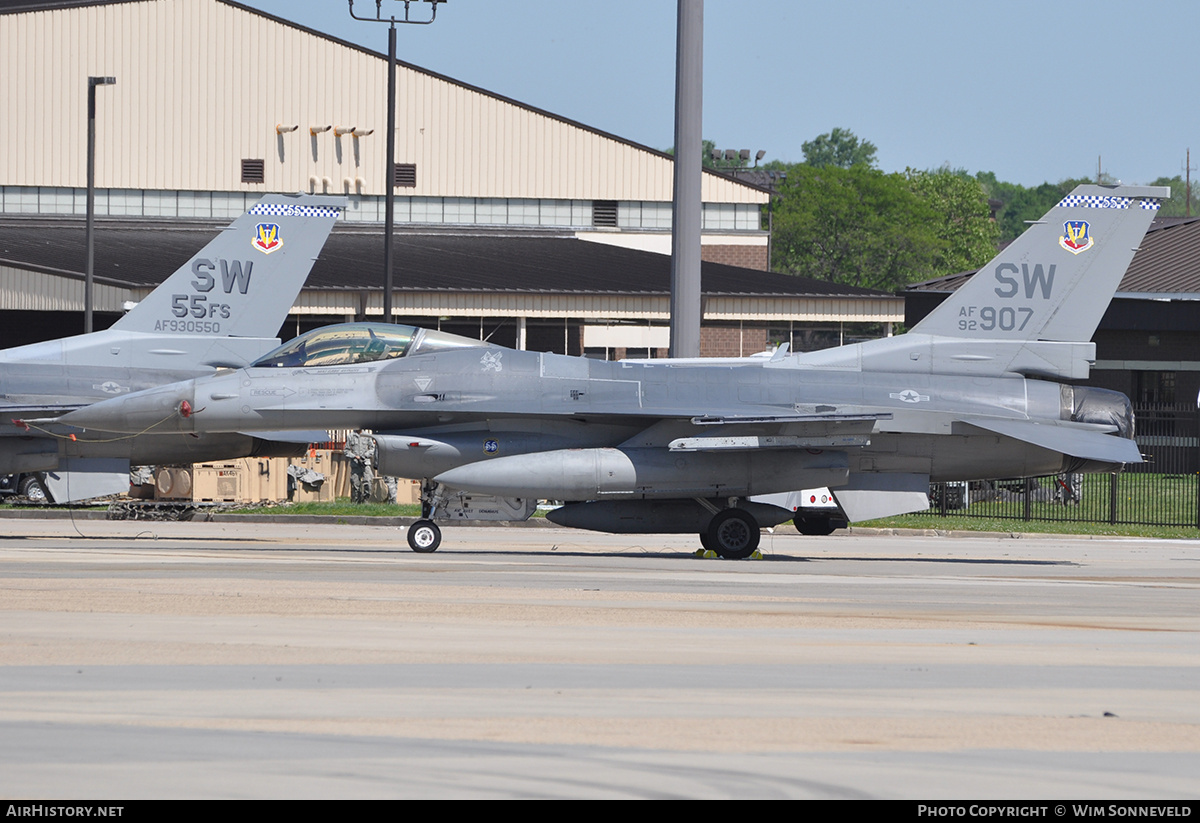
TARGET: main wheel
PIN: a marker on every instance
(814, 526)
(424, 536)
(734, 534)
(33, 490)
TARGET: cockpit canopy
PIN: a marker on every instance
(352, 343)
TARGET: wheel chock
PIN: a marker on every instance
(709, 554)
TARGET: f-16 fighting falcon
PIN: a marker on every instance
(220, 310)
(971, 392)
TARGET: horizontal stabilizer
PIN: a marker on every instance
(1084, 443)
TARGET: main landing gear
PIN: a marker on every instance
(815, 525)
(732, 533)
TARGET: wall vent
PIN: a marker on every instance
(604, 213)
(406, 176)
(254, 171)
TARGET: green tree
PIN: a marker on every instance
(1177, 205)
(840, 148)
(1020, 205)
(856, 226)
(968, 236)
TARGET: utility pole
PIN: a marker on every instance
(89, 230)
(389, 185)
(687, 214)
(1187, 189)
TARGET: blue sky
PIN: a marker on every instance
(1033, 91)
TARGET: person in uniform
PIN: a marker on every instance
(392, 487)
(360, 451)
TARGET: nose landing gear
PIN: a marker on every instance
(424, 536)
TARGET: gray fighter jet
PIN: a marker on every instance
(971, 392)
(222, 309)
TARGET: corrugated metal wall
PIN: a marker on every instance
(201, 85)
(33, 291)
(608, 306)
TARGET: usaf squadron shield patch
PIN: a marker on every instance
(1076, 236)
(266, 238)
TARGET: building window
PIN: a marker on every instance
(427, 210)
(1155, 387)
(406, 176)
(458, 210)
(523, 212)
(254, 171)
(491, 210)
(604, 213)
(720, 216)
(499, 211)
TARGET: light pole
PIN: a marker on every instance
(91, 197)
(389, 218)
(687, 209)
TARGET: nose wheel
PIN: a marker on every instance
(424, 536)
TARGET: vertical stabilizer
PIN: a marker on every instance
(245, 281)
(1055, 281)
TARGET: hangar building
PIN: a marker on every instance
(511, 221)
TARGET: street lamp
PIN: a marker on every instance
(389, 219)
(91, 197)
(686, 311)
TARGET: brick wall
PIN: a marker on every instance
(1142, 345)
(730, 341)
(747, 257)
(1166, 347)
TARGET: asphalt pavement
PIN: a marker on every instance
(285, 659)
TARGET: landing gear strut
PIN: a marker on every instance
(424, 536)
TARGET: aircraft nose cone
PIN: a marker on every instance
(168, 408)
